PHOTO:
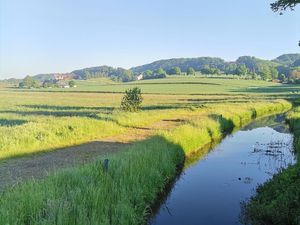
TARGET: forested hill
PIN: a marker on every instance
(252, 63)
(183, 63)
(284, 67)
(118, 74)
(288, 59)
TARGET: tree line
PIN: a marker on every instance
(285, 68)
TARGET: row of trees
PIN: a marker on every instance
(161, 73)
(245, 66)
(29, 82)
(264, 72)
(116, 74)
(284, 68)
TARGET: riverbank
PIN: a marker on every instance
(123, 193)
(278, 200)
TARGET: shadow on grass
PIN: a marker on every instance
(137, 156)
(101, 109)
(226, 125)
(11, 123)
(64, 108)
(284, 88)
(24, 166)
(168, 83)
(58, 114)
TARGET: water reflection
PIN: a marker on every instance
(213, 183)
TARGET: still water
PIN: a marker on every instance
(211, 190)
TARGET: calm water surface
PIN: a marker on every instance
(211, 190)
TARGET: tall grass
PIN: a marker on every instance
(50, 133)
(200, 131)
(124, 193)
(89, 195)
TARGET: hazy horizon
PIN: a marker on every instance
(52, 36)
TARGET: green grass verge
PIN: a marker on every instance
(123, 194)
(278, 200)
(50, 133)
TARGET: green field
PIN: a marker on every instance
(185, 85)
(45, 119)
(179, 115)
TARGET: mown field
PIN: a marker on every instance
(34, 121)
(184, 85)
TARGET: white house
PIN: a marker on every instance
(140, 77)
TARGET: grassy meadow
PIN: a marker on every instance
(41, 120)
(38, 121)
(185, 85)
(125, 193)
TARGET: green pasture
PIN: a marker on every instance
(190, 85)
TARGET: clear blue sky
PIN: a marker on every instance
(41, 36)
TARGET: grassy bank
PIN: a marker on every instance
(124, 193)
(278, 201)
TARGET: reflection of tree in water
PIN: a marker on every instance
(274, 155)
(277, 122)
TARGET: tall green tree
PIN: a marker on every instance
(274, 73)
(161, 72)
(28, 82)
(190, 71)
(241, 70)
(175, 70)
(266, 73)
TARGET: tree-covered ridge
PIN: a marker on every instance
(118, 74)
(287, 59)
(183, 63)
(285, 68)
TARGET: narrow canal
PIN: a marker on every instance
(211, 190)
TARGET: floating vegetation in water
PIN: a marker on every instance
(278, 153)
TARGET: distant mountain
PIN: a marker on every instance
(287, 59)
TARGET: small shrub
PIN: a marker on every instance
(72, 83)
(132, 100)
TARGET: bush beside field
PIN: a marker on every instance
(125, 192)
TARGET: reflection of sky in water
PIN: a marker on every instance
(210, 191)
